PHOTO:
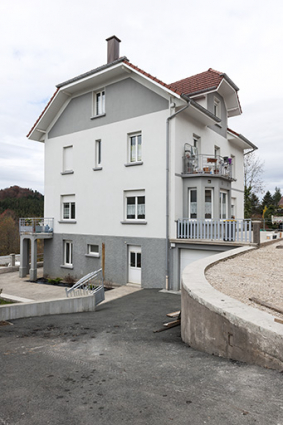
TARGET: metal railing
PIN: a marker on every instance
(239, 230)
(91, 284)
(36, 225)
(194, 163)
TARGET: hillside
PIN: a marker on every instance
(23, 202)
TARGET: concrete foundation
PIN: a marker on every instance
(219, 325)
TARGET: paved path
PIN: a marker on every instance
(21, 289)
(108, 367)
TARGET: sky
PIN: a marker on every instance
(44, 43)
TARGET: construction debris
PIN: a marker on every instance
(172, 324)
(265, 304)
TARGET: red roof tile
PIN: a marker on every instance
(200, 82)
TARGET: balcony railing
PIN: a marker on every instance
(36, 225)
(194, 163)
(215, 230)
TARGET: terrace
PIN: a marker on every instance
(203, 164)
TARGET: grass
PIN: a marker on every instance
(3, 302)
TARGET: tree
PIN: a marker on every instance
(277, 196)
(9, 231)
(253, 170)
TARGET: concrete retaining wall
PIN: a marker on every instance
(43, 308)
(219, 325)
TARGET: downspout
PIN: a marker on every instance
(167, 188)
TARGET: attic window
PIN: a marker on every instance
(99, 103)
(217, 107)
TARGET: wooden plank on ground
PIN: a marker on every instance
(278, 320)
(265, 304)
(174, 314)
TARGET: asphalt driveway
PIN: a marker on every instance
(108, 367)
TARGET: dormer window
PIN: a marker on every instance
(99, 103)
(217, 108)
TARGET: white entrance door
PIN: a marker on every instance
(134, 264)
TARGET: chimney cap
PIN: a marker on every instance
(113, 36)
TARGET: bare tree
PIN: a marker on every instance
(253, 170)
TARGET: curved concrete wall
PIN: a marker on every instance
(219, 325)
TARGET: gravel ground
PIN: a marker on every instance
(258, 273)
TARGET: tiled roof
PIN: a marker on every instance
(146, 74)
(198, 83)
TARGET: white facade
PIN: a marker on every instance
(105, 171)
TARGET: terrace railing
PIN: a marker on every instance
(36, 225)
(239, 230)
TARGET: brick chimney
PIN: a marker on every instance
(113, 48)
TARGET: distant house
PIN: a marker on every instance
(126, 157)
(280, 203)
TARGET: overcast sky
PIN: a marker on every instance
(46, 42)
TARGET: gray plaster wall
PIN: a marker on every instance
(221, 128)
(201, 183)
(123, 100)
(116, 258)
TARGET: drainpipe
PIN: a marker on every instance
(167, 187)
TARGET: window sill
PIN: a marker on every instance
(67, 172)
(97, 168)
(67, 221)
(134, 222)
(97, 116)
(67, 266)
(132, 164)
(93, 255)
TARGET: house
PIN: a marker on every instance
(126, 157)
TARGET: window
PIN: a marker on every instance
(233, 166)
(216, 152)
(68, 207)
(192, 203)
(217, 107)
(135, 148)
(135, 205)
(67, 159)
(99, 103)
(98, 153)
(233, 208)
(208, 214)
(135, 259)
(93, 250)
(68, 253)
(223, 205)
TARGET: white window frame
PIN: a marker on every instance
(233, 167)
(68, 202)
(189, 203)
(211, 192)
(136, 195)
(93, 252)
(233, 207)
(98, 153)
(68, 253)
(98, 107)
(68, 170)
(137, 157)
(217, 107)
(221, 193)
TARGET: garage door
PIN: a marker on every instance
(188, 256)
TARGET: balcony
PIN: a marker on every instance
(202, 164)
(239, 230)
(36, 226)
